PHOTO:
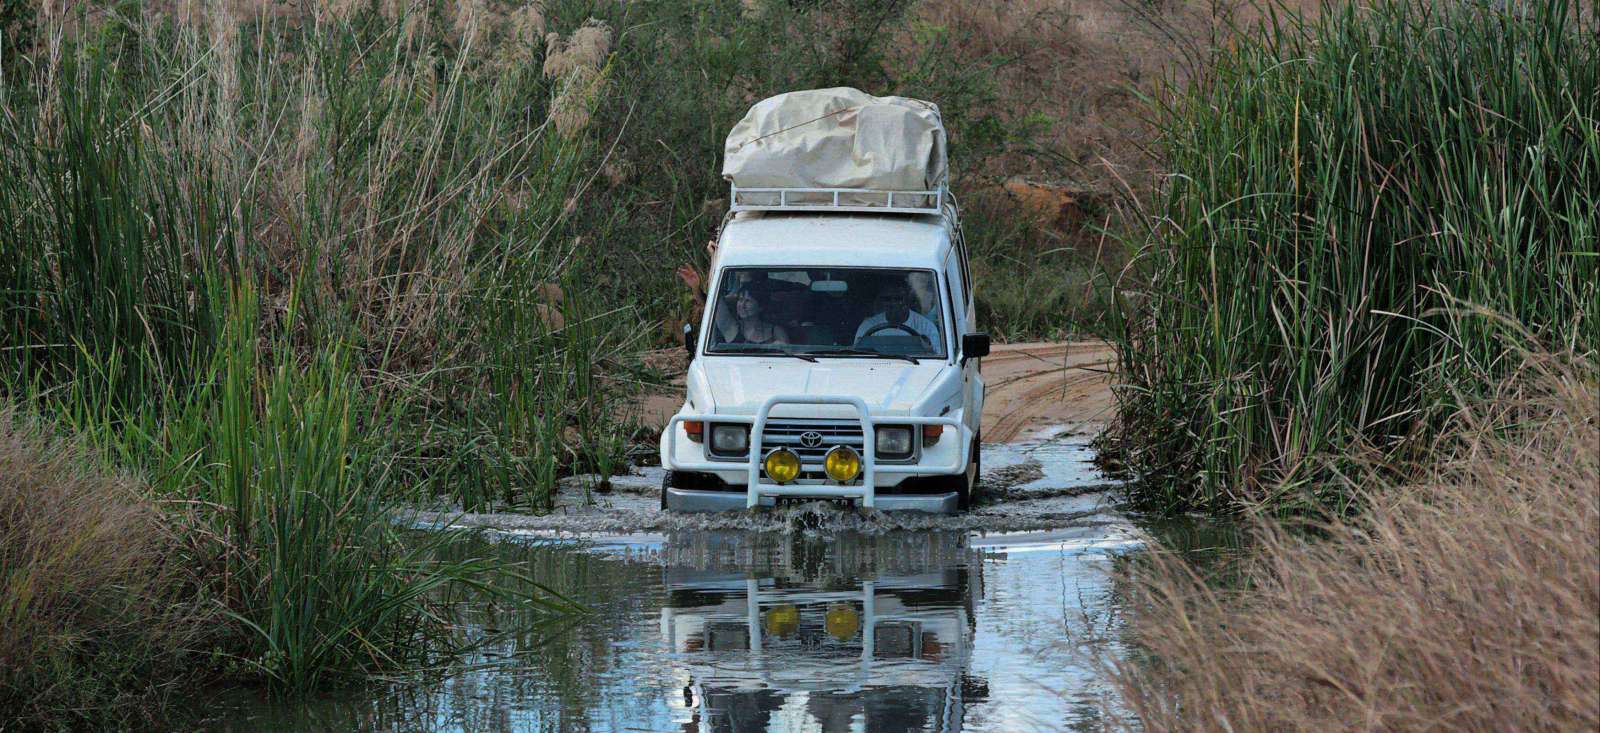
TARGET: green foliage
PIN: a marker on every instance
(1344, 188)
(1024, 292)
(19, 25)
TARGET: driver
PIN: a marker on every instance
(895, 315)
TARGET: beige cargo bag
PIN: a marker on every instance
(837, 147)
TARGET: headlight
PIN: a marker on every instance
(730, 440)
(841, 464)
(894, 442)
(781, 620)
(841, 621)
(782, 465)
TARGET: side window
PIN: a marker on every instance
(966, 278)
(957, 295)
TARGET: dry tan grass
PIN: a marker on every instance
(576, 63)
(1084, 65)
(1081, 64)
(93, 601)
(1469, 600)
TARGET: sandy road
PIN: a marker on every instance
(1033, 386)
(1028, 387)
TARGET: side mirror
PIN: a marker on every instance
(974, 346)
(688, 339)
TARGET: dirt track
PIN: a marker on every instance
(1029, 387)
(1033, 386)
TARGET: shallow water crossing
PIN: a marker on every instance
(806, 620)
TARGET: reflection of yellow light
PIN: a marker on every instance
(782, 465)
(841, 621)
(782, 620)
(842, 464)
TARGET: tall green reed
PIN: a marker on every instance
(239, 256)
(286, 459)
(1348, 193)
(96, 256)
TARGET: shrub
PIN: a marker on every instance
(1340, 186)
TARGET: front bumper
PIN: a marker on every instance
(692, 500)
(762, 491)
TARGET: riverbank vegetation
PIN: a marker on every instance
(236, 530)
(243, 259)
(1368, 320)
(1351, 194)
(1467, 599)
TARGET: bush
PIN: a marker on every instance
(1342, 185)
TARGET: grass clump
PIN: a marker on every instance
(1341, 186)
(1467, 600)
(100, 618)
(282, 457)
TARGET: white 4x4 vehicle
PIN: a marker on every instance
(837, 359)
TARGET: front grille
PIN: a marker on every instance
(786, 434)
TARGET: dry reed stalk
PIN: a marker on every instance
(575, 64)
(527, 34)
(468, 18)
(1469, 600)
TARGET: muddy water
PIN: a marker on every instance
(805, 620)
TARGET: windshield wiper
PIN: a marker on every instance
(773, 350)
(864, 352)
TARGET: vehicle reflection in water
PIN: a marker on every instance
(741, 631)
(855, 634)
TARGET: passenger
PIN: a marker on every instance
(924, 296)
(743, 322)
(894, 309)
(696, 282)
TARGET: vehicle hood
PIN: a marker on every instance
(739, 386)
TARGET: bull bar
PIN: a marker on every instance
(866, 491)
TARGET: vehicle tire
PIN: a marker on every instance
(977, 458)
(969, 487)
(665, 482)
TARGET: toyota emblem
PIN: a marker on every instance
(811, 439)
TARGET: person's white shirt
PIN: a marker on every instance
(914, 321)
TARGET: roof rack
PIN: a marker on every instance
(873, 201)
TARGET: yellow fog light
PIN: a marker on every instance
(782, 620)
(782, 465)
(842, 464)
(841, 622)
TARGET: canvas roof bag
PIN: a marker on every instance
(839, 138)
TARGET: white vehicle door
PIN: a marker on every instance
(964, 320)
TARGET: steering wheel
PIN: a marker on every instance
(897, 326)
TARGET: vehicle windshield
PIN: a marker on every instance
(827, 312)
